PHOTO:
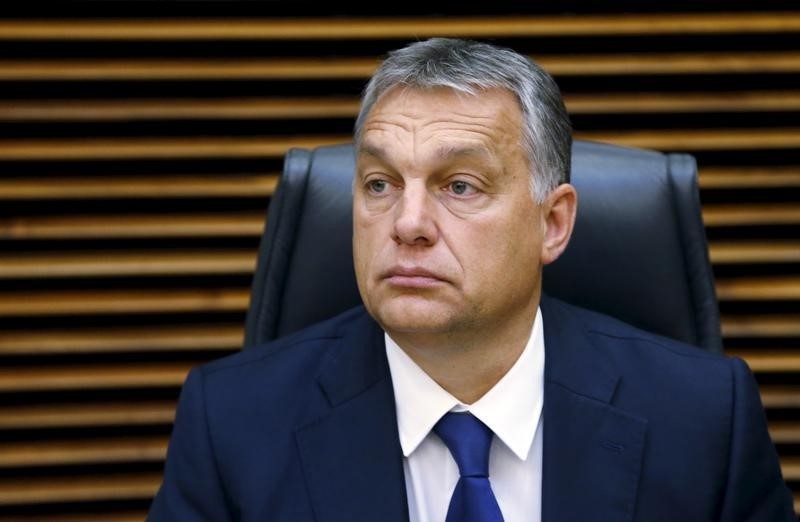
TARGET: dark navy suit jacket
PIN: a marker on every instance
(636, 427)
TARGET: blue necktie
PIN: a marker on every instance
(469, 440)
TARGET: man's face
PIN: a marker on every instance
(447, 236)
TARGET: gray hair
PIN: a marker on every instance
(471, 67)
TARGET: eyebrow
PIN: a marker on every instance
(372, 150)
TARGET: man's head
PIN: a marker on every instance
(462, 152)
(471, 67)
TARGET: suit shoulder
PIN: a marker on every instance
(648, 361)
(307, 344)
(620, 333)
(654, 377)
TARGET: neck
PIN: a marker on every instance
(469, 363)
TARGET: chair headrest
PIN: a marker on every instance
(638, 251)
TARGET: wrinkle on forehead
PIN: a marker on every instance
(409, 107)
(414, 119)
(443, 124)
(448, 121)
(446, 151)
(428, 131)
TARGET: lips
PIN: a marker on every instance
(412, 277)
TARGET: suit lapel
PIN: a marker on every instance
(592, 455)
(592, 450)
(351, 456)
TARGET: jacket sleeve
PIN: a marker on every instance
(755, 489)
(192, 489)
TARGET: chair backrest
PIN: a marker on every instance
(638, 252)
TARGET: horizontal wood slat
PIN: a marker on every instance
(768, 360)
(182, 108)
(112, 339)
(361, 68)
(81, 415)
(760, 289)
(93, 302)
(83, 452)
(121, 187)
(191, 69)
(791, 468)
(761, 325)
(751, 214)
(748, 177)
(774, 396)
(699, 139)
(89, 516)
(672, 63)
(163, 148)
(333, 107)
(683, 102)
(741, 252)
(94, 376)
(272, 147)
(229, 224)
(418, 27)
(785, 432)
(76, 489)
(128, 263)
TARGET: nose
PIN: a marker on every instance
(414, 222)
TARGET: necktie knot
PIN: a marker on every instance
(468, 440)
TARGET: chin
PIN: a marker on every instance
(414, 315)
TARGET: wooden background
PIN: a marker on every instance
(139, 148)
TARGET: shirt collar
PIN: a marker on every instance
(511, 408)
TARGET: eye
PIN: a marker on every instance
(461, 188)
(377, 186)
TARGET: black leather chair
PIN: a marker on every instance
(638, 251)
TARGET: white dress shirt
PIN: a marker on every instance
(512, 409)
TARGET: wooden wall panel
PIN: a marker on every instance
(138, 154)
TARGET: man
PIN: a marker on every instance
(459, 392)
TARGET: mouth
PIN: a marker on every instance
(412, 277)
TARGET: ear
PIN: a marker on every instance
(559, 219)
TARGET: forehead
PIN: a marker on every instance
(440, 116)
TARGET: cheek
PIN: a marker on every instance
(367, 234)
(361, 239)
(525, 241)
(502, 252)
